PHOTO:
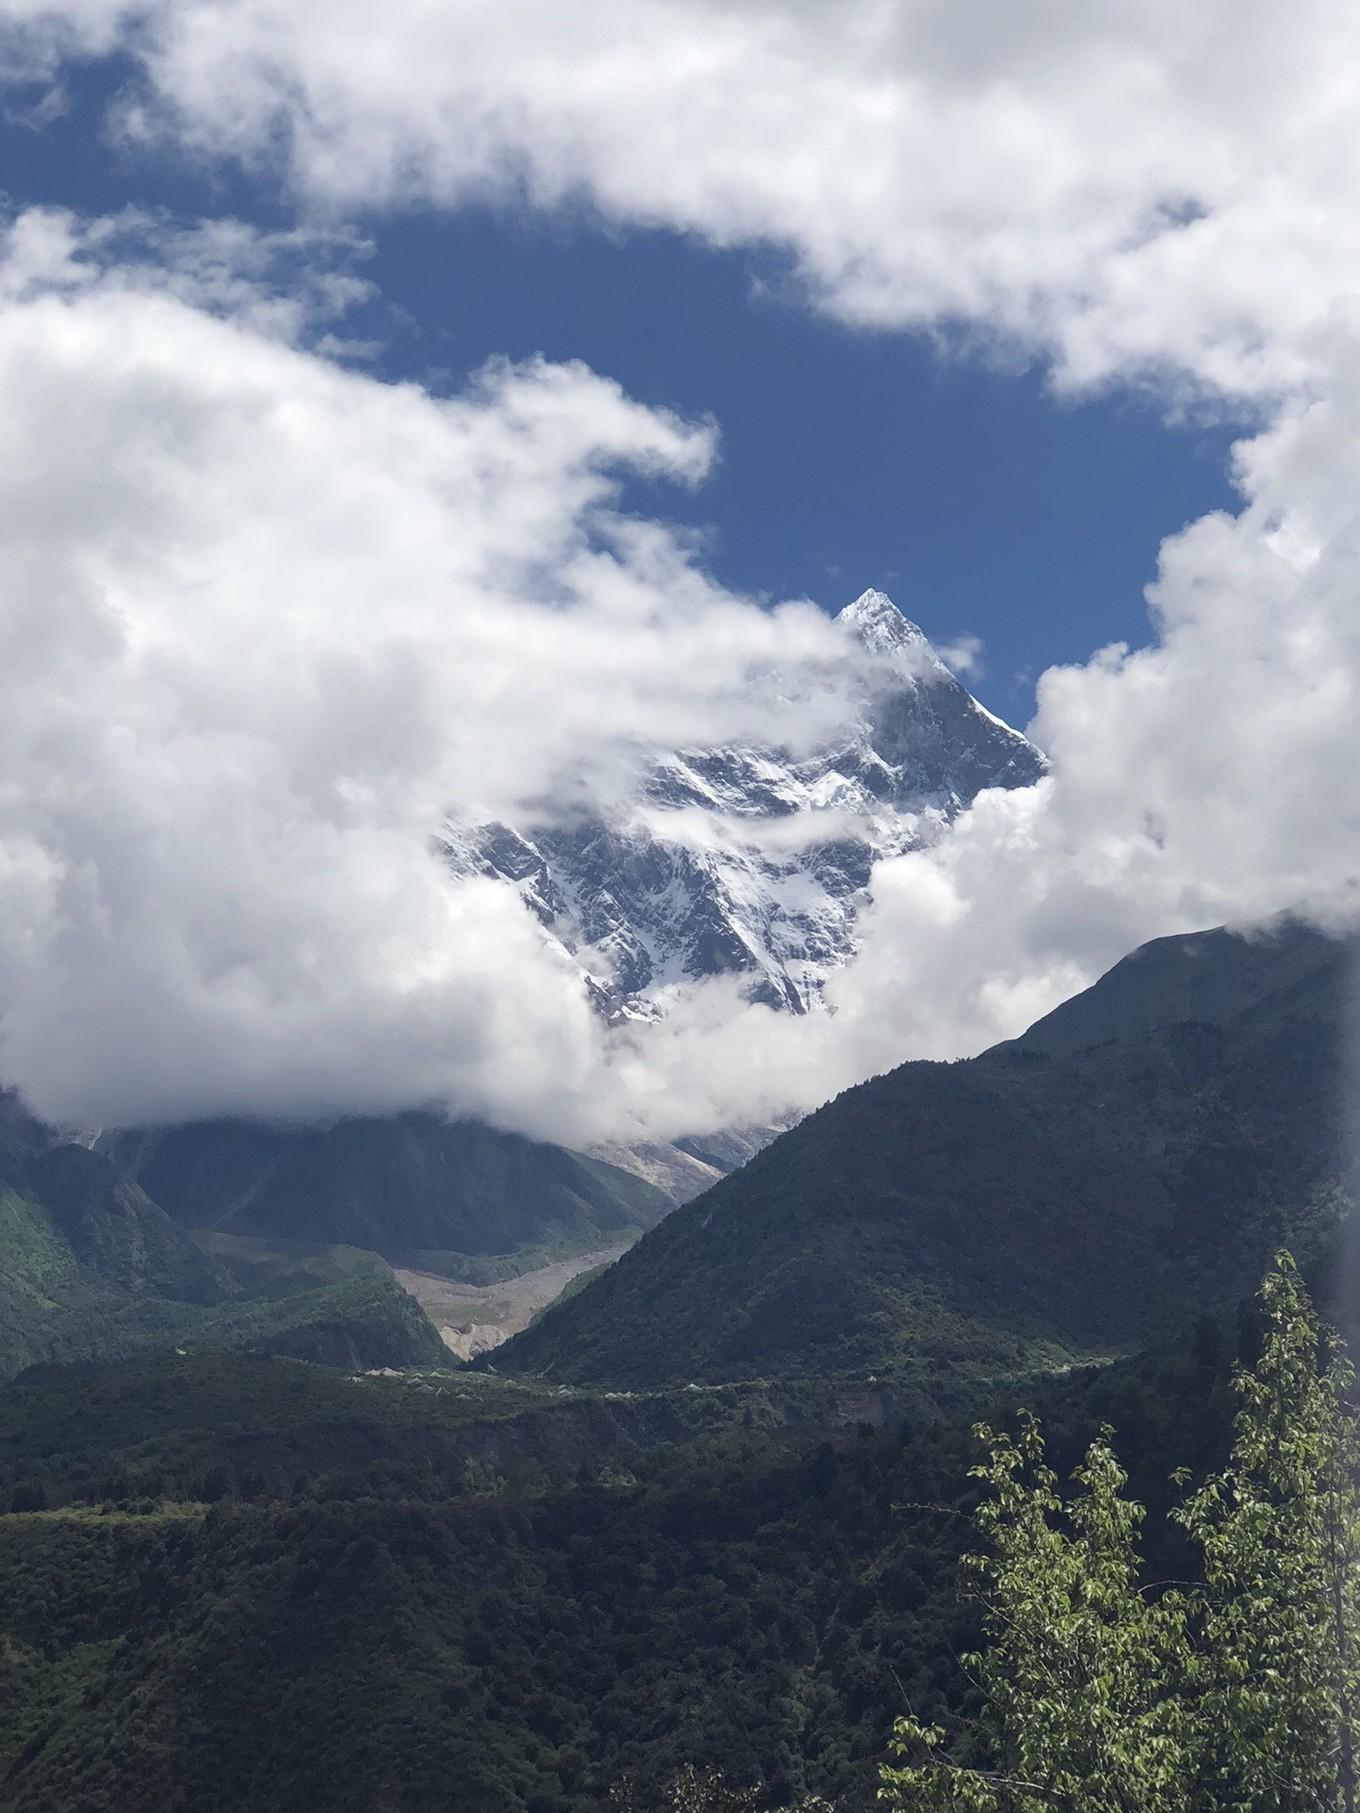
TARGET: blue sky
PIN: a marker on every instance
(849, 457)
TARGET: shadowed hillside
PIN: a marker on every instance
(1133, 1158)
(92, 1268)
(418, 1189)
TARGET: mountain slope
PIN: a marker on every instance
(117, 1232)
(411, 1186)
(92, 1268)
(752, 860)
(1014, 1206)
(88, 1263)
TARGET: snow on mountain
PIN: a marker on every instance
(753, 860)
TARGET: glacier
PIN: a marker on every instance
(755, 861)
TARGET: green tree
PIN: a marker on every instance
(696, 1790)
(1108, 1697)
(1278, 1527)
(1076, 1678)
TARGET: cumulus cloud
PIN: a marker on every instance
(265, 619)
(1136, 187)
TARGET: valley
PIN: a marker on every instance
(475, 1318)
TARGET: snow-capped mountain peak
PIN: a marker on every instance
(879, 625)
(750, 859)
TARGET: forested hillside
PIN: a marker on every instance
(91, 1267)
(416, 1631)
(418, 1189)
(1073, 1194)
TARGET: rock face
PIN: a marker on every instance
(753, 860)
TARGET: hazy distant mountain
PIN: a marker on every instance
(412, 1187)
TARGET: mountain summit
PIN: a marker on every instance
(879, 624)
(749, 859)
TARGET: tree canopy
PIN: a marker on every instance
(1230, 1693)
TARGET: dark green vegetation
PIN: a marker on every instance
(501, 1603)
(91, 1267)
(421, 1191)
(87, 1262)
(1236, 1689)
(364, 1320)
(159, 1423)
(1077, 1192)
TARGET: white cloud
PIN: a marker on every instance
(263, 619)
(963, 655)
(1136, 187)
(288, 283)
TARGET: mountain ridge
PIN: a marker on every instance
(1018, 1208)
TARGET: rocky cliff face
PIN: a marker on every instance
(753, 860)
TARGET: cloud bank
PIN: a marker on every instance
(1139, 187)
(263, 618)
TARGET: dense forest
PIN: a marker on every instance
(1072, 1195)
(751, 1592)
